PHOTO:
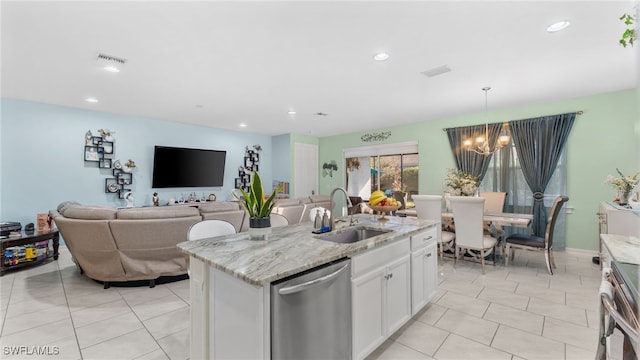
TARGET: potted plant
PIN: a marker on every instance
(257, 205)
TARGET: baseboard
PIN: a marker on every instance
(581, 252)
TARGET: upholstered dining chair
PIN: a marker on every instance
(531, 242)
(210, 228)
(430, 207)
(278, 220)
(494, 203)
(468, 214)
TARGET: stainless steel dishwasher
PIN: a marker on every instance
(311, 314)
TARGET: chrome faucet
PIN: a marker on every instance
(333, 204)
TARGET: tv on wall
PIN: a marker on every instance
(183, 167)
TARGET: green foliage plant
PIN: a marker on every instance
(254, 201)
(629, 35)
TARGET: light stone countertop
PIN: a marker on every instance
(622, 248)
(292, 249)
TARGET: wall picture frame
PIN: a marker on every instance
(108, 147)
(122, 192)
(111, 185)
(91, 153)
(105, 163)
(96, 140)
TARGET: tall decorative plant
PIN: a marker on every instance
(254, 201)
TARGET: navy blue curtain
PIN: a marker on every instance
(469, 161)
(539, 143)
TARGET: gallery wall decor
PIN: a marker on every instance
(250, 166)
(101, 150)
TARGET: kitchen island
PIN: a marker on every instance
(231, 278)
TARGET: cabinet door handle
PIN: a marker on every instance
(427, 238)
(428, 255)
(388, 276)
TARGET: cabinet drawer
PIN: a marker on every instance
(363, 263)
(424, 238)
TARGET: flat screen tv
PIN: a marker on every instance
(183, 167)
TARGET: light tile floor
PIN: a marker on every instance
(518, 312)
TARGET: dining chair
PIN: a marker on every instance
(537, 243)
(278, 220)
(430, 207)
(468, 214)
(494, 203)
(401, 197)
(210, 228)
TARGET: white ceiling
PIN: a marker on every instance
(219, 64)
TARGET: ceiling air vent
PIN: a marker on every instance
(111, 58)
(437, 71)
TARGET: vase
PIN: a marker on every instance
(624, 197)
(259, 228)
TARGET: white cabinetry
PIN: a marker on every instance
(424, 268)
(618, 221)
(381, 295)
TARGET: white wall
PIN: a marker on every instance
(42, 162)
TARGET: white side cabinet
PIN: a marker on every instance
(424, 268)
(381, 295)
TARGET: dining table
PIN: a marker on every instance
(502, 219)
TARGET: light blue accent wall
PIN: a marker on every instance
(42, 159)
(282, 157)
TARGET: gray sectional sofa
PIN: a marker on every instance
(130, 244)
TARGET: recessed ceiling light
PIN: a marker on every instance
(381, 56)
(111, 68)
(560, 25)
(91, 100)
(291, 112)
(243, 125)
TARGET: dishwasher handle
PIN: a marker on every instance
(311, 283)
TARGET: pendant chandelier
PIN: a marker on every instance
(482, 146)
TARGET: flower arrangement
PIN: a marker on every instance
(460, 183)
(624, 185)
(106, 133)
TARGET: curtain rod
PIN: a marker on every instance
(579, 112)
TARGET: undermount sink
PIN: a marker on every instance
(351, 235)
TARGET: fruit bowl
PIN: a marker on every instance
(383, 210)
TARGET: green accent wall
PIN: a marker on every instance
(605, 136)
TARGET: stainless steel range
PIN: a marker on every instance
(619, 328)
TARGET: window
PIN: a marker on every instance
(504, 174)
(392, 168)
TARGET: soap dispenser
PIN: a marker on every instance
(317, 222)
(326, 226)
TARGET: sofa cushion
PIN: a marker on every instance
(155, 212)
(64, 204)
(83, 212)
(219, 206)
(287, 202)
(319, 198)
